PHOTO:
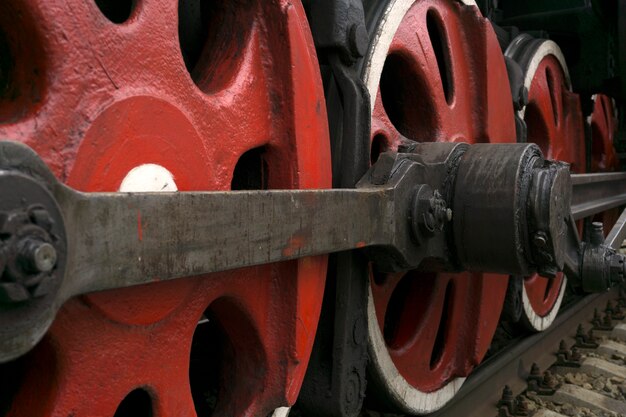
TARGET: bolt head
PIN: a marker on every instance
(13, 292)
(521, 100)
(45, 257)
(358, 40)
(38, 256)
(41, 218)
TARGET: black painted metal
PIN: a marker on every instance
(29, 211)
(336, 378)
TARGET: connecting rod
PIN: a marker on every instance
(435, 206)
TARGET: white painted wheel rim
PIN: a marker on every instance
(535, 321)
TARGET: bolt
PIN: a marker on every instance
(429, 213)
(522, 407)
(597, 233)
(590, 336)
(41, 217)
(438, 204)
(585, 340)
(358, 40)
(13, 292)
(534, 370)
(535, 375)
(534, 378)
(507, 394)
(522, 98)
(38, 256)
(503, 411)
(549, 380)
(563, 352)
(596, 316)
(566, 357)
(506, 401)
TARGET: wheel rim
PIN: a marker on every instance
(554, 120)
(418, 355)
(232, 112)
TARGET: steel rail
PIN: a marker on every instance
(595, 193)
(511, 366)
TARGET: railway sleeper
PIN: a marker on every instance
(430, 205)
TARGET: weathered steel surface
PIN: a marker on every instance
(161, 236)
(595, 193)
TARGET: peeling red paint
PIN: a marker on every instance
(295, 244)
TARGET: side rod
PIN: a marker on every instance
(119, 239)
(595, 193)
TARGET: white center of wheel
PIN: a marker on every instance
(281, 412)
(148, 178)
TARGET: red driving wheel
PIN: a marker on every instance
(150, 96)
(435, 72)
(554, 121)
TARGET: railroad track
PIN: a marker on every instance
(530, 376)
(578, 366)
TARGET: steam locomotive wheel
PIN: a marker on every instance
(435, 72)
(554, 120)
(120, 95)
